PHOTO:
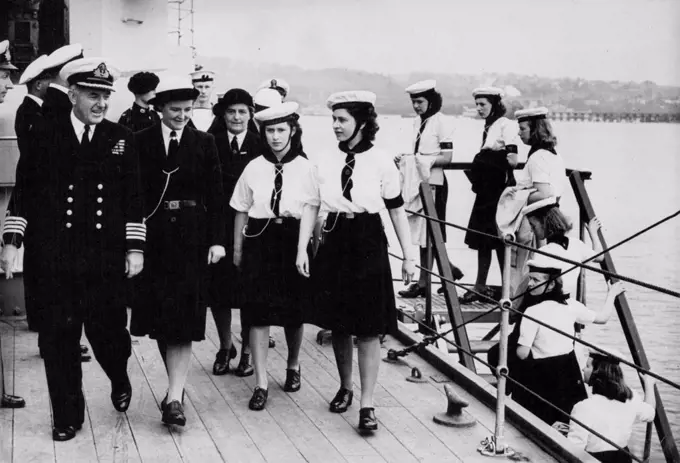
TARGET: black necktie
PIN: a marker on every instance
(85, 141)
(234, 145)
(278, 186)
(173, 148)
(420, 133)
(346, 176)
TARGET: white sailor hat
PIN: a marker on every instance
(481, 92)
(421, 87)
(541, 204)
(174, 88)
(202, 76)
(63, 55)
(531, 113)
(90, 73)
(266, 98)
(279, 85)
(278, 113)
(350, 98)
(544, 264)
(33, 70)
(6, 57)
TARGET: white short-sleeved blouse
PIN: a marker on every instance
(254, 188)
(501, 134)
(437, 136)
(375, 179)
(611, 418)
(543, 167)
(545, 342)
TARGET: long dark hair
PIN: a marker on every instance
(607, 380)
(498, 108)
(434, 102)
(365, 114)
(541, 135)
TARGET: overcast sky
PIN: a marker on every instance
(596, 39)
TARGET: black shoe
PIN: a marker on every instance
(341, 401)
(292, 380)
(272, 343)
(12, 401)
(367, 419)
(62, 434)
(164, 402)
(84, 349)
(121, 395)
(222, 359)
(457, 275)
(174, 414)
(244, 367)
(259, 399)
(412, 291)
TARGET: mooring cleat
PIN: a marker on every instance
(455, 416)
(489, 448)
(416, 376)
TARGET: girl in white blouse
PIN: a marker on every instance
(549, 365)
(277, 202)
(491, 173)
(351, 275)
(611, 410)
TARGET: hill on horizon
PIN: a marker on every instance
(311, 87)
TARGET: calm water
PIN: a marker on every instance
(635, 172)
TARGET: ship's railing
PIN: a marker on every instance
(459, 331)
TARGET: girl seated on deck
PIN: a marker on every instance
(611, 410)
(549, 365)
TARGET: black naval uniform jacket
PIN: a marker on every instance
(56, 104)
(137, 118)
(80, 209)
(28, 112)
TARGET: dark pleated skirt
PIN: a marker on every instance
(483, 218)
(273, 290)
(352, 279)
(557, 379)
(441, 198)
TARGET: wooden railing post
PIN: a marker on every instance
(450, 295)
(663, 427)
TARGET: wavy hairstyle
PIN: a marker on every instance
(365, 114)
(296, 139)
(607, 380)
(498, 108)
(541, 134)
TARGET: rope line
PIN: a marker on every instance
(569, 261)
(514, 381)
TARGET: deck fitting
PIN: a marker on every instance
(416, 376)
(455, 416)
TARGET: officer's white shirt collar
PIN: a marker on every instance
(79, 127)
(165, 130)
(59, 87)
(36, 99)
(239, 138)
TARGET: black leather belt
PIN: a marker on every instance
(341, 215)
(180, 204)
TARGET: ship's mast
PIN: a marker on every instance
(182, 12)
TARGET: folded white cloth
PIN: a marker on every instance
(413, 170)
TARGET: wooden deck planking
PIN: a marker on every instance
(295, 427)
(32, 439)
(265, 433)
(7, 339)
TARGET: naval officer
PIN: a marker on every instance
(141, 115)
(57, 101)
(6, 68)
(78, 191)
(204, 82)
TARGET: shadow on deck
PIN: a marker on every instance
(295, 427)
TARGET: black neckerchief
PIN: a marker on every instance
(362, 146)
(557, 296)
(271, 157)
(535, 148)
(488, 122)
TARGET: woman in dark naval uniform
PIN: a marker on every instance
(351, 273)
(182, 184)
(236, 146)
(277, 202)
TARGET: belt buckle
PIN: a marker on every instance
(172, 205)
(349, 215)
(278, 220)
